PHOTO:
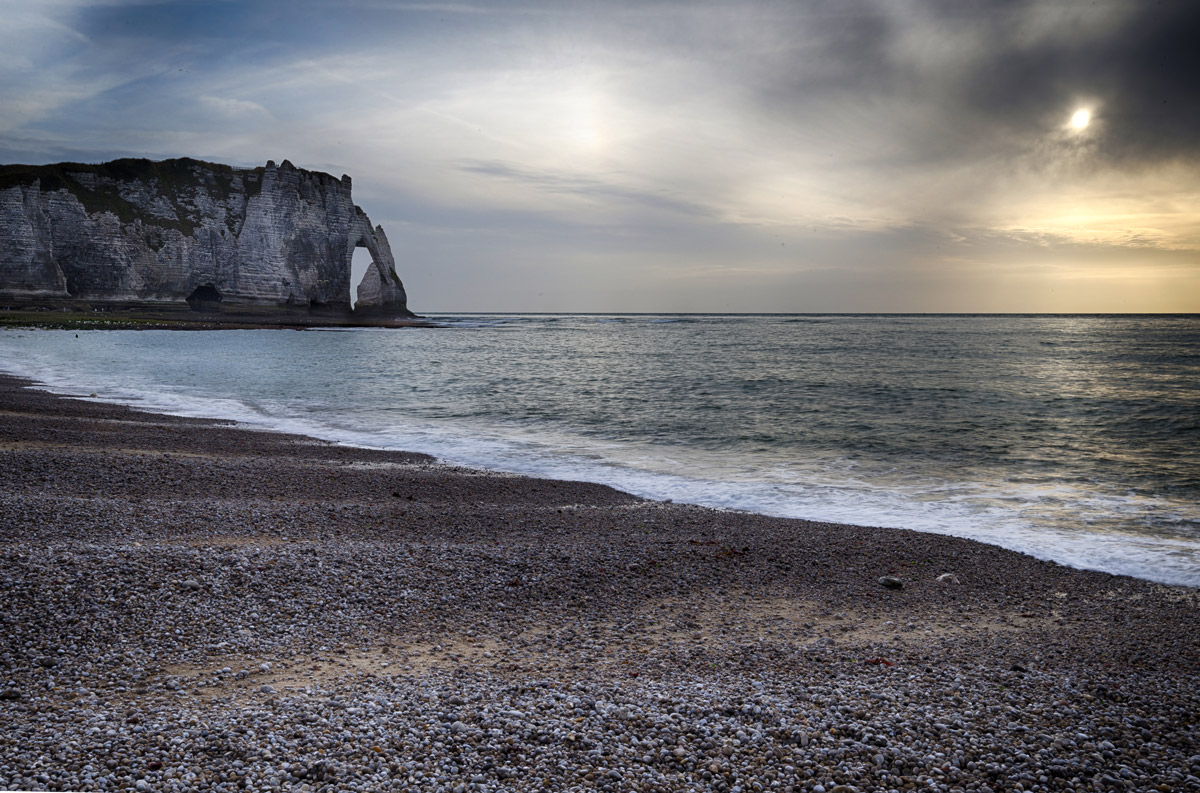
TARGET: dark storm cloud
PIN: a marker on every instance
(1140, 74)
(983, 79)
(1146, 75)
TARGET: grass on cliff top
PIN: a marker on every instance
(180, 171)
(175, 179)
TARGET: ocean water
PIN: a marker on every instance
(1072, 438)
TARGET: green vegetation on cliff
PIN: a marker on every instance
(175, 179)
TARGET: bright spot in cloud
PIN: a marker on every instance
(232, 107)
(1081, 119)
(582, 118)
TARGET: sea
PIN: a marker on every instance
(1072, 438)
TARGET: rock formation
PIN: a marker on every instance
(183, 233)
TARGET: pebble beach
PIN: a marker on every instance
(189, 605)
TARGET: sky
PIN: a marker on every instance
(646, 156)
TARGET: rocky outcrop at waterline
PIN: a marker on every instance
(273, 241)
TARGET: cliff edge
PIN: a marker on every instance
(185, 233)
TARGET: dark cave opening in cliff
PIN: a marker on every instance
(204, 298)
(358, 268)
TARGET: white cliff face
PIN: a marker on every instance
(26, 256)
(156, 232)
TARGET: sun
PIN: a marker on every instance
(1080, 120)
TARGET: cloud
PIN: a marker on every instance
(585, 187)
(996, 79)
(443, 8)
(828, 145)
(233, 108)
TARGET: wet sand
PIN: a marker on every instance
(188, 605)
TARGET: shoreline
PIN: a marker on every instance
(116, 319)
(400, 621)
(1064, 552)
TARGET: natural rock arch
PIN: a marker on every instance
(139, 233)
(380, 291)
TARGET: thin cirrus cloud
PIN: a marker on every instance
(865, 155)
(234, 108)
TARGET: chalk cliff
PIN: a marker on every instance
(274, 239)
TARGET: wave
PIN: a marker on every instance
(1165, 560)
(1116, 532)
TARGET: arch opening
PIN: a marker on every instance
(359, 264)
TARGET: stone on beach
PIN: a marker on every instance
(631, 654)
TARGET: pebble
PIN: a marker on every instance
(642, 647)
